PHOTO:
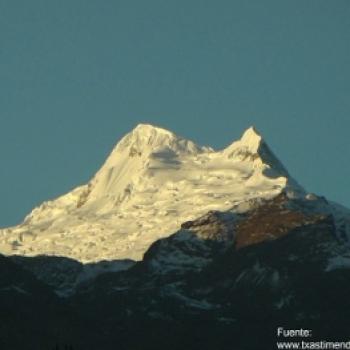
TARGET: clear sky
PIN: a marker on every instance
(76, 75)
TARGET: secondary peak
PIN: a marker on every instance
(252, 139)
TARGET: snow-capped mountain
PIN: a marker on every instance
(231, 246)
(151, 183)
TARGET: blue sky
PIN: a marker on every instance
(75, 76)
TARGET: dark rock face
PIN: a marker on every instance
(57, 272)
(224, 281)
(31, 314)
(194, 246)
(274, 219)
(214, 226)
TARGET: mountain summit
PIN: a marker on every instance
(147, 138)
(252, 147)
(151, 183)
(251, 139)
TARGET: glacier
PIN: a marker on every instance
(150, 184)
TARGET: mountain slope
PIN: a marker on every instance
(232, 249)
(32, 316)
(151, 183)
(229, 280)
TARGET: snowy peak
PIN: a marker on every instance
(149, 128)
(249, 144)
(145, 135)
(251, 139)
(135, 160)
(146, 138)
(253, 148)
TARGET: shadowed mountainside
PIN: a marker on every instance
(226, 280)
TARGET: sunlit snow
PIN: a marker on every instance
(151, 183)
